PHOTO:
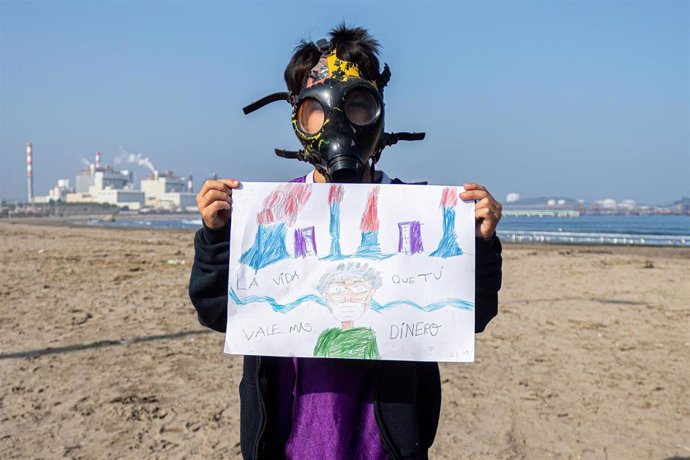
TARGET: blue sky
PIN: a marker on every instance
(584, 99)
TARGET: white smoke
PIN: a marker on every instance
(135, 158)
(85, 161)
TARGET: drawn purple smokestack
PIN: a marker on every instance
(410, 237)
(305, 242)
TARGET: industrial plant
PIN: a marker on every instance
(98, 186)
(105, 184)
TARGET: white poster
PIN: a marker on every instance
(362, 271)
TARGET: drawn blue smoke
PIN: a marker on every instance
(334, 230)
(268, 248)
(369, 247)
(448, 246)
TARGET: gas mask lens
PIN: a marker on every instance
(310, 116)
(361, 107)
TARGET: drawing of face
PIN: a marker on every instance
(348, 300)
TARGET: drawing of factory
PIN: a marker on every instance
(283, 204)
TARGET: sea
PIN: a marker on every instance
(625, 230)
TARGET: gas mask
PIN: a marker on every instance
(338, 117)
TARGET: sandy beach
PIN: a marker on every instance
(101, 354)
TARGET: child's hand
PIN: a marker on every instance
(215, 202)
(487, 211)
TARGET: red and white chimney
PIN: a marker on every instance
(98, 160)
(29, 174)
(190, 185)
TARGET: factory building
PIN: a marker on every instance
(178, 202)
(131, 199)
(157, 184)
(104, 184)
(95, 178)
(60, 190)
(167, 191)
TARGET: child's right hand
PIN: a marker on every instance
(215, 202)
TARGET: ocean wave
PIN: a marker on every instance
(625, 239)
(605, 230)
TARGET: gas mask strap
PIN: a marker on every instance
(393, 138)
(388, 139)
(298, 155)
(290, 154)
(282, 96)
(384, 78)
(324, 46)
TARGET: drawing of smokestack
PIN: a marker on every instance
(335, 197)
(98, 160)
(280, 208)
(29, 174)
(369, 246)
(448, 246)
(190, 185)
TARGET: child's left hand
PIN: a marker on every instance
(487, 211)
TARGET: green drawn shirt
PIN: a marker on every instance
(358, 342)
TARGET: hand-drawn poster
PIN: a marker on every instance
(360, 271)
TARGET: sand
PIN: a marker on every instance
(101, 355)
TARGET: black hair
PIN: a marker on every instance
(353, 44)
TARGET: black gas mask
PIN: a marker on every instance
(338, 117)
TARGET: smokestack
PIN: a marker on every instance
(190, 185)
(29, 174)
(98, 159)
(155, 175)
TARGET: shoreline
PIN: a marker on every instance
(681, 251)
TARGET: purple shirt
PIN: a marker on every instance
(330, 412)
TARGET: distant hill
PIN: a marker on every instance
(683, 203)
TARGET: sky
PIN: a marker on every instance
(578, 99)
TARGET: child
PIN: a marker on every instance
(315, 408)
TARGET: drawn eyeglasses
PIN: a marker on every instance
(340, 289)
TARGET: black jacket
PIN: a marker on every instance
(407, 415)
